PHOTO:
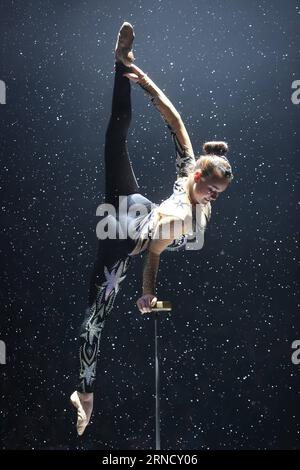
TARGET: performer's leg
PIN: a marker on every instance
(113, 260)
(119, 175)
(105, 284)
(110, 270)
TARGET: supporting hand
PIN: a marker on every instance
(146, 302)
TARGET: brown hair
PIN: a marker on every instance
(214, 160)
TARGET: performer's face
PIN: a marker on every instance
(207, 189)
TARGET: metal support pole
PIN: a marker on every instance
(160, 306)
(157, 396)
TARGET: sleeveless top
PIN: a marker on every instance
(143, 227)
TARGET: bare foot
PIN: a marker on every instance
(83, 402)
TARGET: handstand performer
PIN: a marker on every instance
(199, 181)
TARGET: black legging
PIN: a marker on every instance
(119, 175)
(112, 259)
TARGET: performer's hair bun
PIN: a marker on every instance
(215, 148)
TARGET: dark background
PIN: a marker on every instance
(228, 381)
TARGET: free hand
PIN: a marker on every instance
(146, 302)
(136, 74)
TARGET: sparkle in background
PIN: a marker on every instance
(228, 381)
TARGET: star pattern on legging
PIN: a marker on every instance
(99, 310)
(89, 372)
(95, 325)
(113, 278)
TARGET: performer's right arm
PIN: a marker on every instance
(184, 149)
(173, 227)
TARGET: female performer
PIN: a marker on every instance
(157, 227)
